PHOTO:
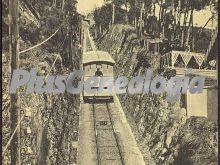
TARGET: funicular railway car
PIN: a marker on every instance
(99, 64)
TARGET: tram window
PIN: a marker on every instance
(86, 68)
(110, 69)
(104, 68)
(99, 66)
(93, 69)
(93, 66)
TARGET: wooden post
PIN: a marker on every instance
(14, 57)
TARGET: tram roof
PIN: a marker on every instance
(93, 57)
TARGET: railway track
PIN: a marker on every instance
(107, 143)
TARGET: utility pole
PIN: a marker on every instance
(14, 57)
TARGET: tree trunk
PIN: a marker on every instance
(63, 3)
(182, 37)
(113, 13)
(175, 22)
(14, 55)
(135, 22)
(134, 13)
(96, 32)
(126, 14)
(100, 29)
(154, 9)
(175, 16)
(164, 13)
(160, 14)
(178, 28)
(192, 36)
(184, 27)
(141, 20)
(70, 41)
(135, 17)
(189, 27)
(54, 3)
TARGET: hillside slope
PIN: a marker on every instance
(163, 128)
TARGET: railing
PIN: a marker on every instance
(200, 72)
(170, 58)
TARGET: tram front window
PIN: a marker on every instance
(98, 73)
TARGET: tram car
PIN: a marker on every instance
(99, 64)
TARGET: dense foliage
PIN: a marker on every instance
(174, 22)
(53, 122)
(164, 133)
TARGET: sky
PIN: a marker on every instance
(86, 6)
(200, 17)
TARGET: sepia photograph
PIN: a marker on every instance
(110, 82)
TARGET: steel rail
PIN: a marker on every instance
(115, 135)
(96, 135)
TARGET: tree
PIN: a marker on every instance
(189, 6)
(102, 17)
